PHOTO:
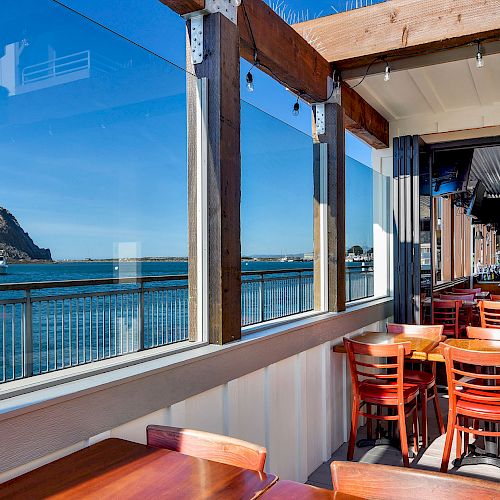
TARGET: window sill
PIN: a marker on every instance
(260, 347)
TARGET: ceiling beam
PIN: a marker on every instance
(398, 29)
(288, 58)
(183, 7)
(363, 120)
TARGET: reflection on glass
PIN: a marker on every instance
(276, 218)
(93, 148)
(359, 185)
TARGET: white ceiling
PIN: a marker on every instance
(433, 89)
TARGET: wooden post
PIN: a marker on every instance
(334, 139)
(221, 68)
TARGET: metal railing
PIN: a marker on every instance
(359, 282)
(267, 295)
(49, 326)
(56, 325)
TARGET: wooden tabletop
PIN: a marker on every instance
(420, 346)
(471, 344)
(121, 469)
(289, 490)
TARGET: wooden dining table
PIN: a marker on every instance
(115, 468)
(420, 346)
(436, 354)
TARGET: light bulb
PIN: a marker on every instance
(479, 58)
(250, 86)
(387, 74)
(296, 108)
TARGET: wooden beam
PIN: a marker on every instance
(221, 67)
(183, 7)
(334, 138)
(363, 120)
(397, 29)
(288, 58)
(285, 56)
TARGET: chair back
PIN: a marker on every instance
(472, 377)
(457, 296)
(495, 298)
(474, 332)
(466, 291)
(388, 370)
(386, 482)
(489, 311)
(433, 332)
(208, 446)
(446, 313)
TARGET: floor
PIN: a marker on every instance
(429, 458)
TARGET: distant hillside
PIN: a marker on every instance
(16, 243)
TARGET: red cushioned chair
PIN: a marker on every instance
(446, 313)
(426, 381)
(381, 384)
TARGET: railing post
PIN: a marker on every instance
(141, 317)
(262, 298)
(28, 337)
(300, 292)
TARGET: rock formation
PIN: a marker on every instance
(16, 243)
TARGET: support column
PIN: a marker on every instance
(221, 185)
(329, 220)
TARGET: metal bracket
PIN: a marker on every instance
(197, 39)
(320, 119)
(228, 8)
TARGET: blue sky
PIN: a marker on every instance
(100, 160)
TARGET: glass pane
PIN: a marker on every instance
(359, 185)
(276, 218)
(93, 148)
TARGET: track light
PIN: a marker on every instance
(250, 86)
(296, 108)
(479, 56)
(387, 74)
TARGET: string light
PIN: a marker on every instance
(479, 56)
(387, 74)
(250, 86)
(296, 108)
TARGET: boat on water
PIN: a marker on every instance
(3, 263)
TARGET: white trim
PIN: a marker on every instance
(323, 218)
(202, 208)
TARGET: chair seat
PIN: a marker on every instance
(491, 408)
(422, 379)
(377, 392)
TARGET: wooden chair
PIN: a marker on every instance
(457, 296)
(466, 291)
(446, 313)
(208, 446)
(426, 381)
(472, 395)
(489, 311)
(474, 332)
(382, 385)
(385, 482)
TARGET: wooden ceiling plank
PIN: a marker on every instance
(398, 29)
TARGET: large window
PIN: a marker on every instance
(93, 217)
(276, 218)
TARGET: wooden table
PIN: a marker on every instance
(121, 469)
(420, 346)
(471, 344)
(289, 490)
